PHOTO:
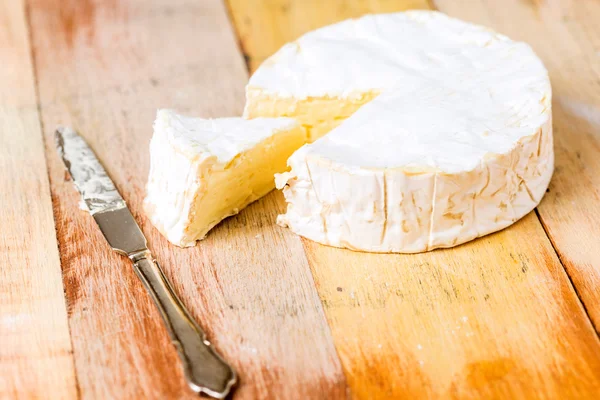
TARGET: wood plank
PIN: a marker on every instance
(566, 35)
(496, 318)
(35, 349)
(105, 67)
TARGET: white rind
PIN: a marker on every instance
(377, 51)
(458, 145)
(390, 210)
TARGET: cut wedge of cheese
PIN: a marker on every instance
(204, 170)
(441, 131)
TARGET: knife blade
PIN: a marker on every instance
(205, 371)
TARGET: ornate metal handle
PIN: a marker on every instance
(204, 369)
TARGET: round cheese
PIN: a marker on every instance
(454, 139)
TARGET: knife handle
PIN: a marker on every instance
(204, 369)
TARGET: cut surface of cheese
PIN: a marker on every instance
(204, 170)
(441, 131)
(319, 114)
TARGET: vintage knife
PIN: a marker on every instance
(205, 370)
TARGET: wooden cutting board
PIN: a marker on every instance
(511, 315)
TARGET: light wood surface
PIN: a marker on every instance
(495, 318)
(463, 322)
(35, 348)
(105, 67)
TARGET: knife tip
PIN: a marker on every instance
(59, 138)
(61, 133)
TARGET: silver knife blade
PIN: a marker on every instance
(96, 188)
(205, 371)
(99, 193)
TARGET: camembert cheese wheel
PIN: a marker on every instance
(427, 131)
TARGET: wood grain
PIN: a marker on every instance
(36, 359)
(566, 35)
(496, 318)
(105, 67)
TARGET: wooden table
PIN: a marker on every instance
(512, 315)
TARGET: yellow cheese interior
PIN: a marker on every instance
(318, 115)
(227, 189)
